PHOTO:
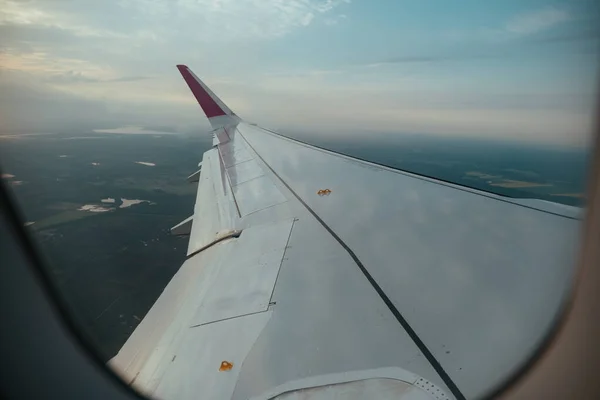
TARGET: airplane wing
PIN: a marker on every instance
(311, 273)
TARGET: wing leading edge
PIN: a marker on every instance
(305, 297)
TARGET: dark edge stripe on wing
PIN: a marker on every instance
(423, 177)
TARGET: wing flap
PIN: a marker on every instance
(246, 279)
(212, 310)
(215, 212)
(144, 349)
(201, 353)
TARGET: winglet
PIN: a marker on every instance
(216, 111)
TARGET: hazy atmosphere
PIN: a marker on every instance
(507, 69)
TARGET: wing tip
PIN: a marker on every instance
(209, 102)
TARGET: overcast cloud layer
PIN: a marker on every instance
(513, 69)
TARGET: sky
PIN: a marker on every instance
(510, 69)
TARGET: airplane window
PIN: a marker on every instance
(438, 207)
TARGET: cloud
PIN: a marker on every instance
(78, 42)
(335, 20)
(30, 104)
(329, 5)
(98, 51)
(133, 130)
(537, 21)
(139, 22)
(19, 12)
(27, 106)
(129, 79)
(233, 19)
(110, 64)
(46, 14)
(312, 73)
(583, 35)
(78, 77)
(307, 19)
(70, 77)
(518, 37)
(424, 59)
(48, 65)
(354, 110)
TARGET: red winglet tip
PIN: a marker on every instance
(208, 104)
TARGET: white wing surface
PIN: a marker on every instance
(311, 274)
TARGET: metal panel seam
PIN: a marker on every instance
(222, 165)
(266, 208)
(249, 180)
(227, 319)
(287, 242)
